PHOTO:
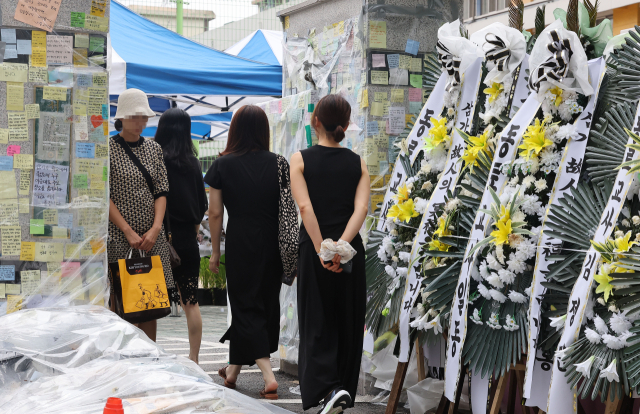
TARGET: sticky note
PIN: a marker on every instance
(102, 151)
(50, 216)
(36, 226)
(10, 52)
(377, 109)
(14, 302)
(378, 61)
(415, 107)
(365, 99)
(28, 251)
(397, 95)
(65, 220)
(77, 20)
(8, 273)
(85, 150)
(77, 234)
(24, 47)
(8, 185)
(8, 35)
(96, 44)
(81, 40)
(30, 281)
(96, 182)
(11, 237)
(13, 149)
(49, 252)
(377, 34)
(416, 81)
(59, 232)
(4, 136)
(379, 77)
(83, 80)
(15, 96)
(80, 127)
(23, 161)
(14, 72)
(59, 50)
(80, 181)
(412, 47)
(12, 288)
(18, 129)
(25, 182)
(38, 75)
(23, 205)
(416, 65)
(98, 7)
(80, 58)
(105, 171)
(54, 93)
(3, 292)
(6, 163)
(100, 80)
(39, 49)
(405, 62)
(44, 19)
(415, 94)
(394, 60)
(380, 96)
(33, 111)
(372, 128)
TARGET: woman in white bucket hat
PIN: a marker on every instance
(138, 186)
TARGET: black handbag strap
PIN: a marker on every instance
(147, 177)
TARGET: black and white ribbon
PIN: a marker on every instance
(499, 53)
(556, 66)
(450, 63)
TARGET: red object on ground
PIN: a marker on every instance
(113, 406)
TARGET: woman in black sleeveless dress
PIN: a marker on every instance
(331, 186)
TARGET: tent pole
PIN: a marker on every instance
(179, 16)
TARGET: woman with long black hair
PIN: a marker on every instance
(186, 205)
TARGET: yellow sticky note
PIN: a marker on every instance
(8, 185)
(100, 80)
(405, 62)
(54, 93)
(97, 97)
(286, 22)
(71, 251)
(377, 34)
(397, 95)
(416, 65)
(365, 99)
(33, 111)
(18, 129)
(15, 96)
(376, 109)
(14, 303)
(14, 72)
(9, 213)
(38, 75)
(96, 182)
(379, 77)
(49, 252)
(39, 49)
(80, 59)
(97, 7)
(81, 40)
(30, 281)
(3, 292)
(80, 109)
(96, 23)
(11, 239)
(59, 232)
(23, 205)
(86, 250)
(4, 136)
(28, 251)
(23, 161)
(50, 216)
(381, 96)
(102, 151)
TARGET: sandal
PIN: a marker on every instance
(223, 373)
(269, 395)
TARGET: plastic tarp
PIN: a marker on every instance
(262, 46)
(70, 360)
(159, 61)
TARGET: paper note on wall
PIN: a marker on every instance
(11, 236)
(18, 129)
(39, 49)
(45, 16)
(379, 77)
(49, 252)
(15, 96)
(8, 185)
(377, 34)
(14, 302)
(59, 50)
(28, 251)
(50, 184)
(14, 72)
(9, 213)
(30, 281)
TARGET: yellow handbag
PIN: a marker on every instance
(140, 287)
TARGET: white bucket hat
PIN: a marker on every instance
(133, 102)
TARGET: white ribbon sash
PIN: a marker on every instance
(505, 154)
(561, 397)
(466, 109)
(415, 143)
(567, 178)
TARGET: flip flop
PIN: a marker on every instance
(223, 373)
(269, 395)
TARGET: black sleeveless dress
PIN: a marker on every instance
(251, 193)
(331, 306)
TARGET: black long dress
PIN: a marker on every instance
(331, 306)
(250, 193)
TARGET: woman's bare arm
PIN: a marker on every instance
(116, 218)
(301, 195)
(361, 205)
(216, 212)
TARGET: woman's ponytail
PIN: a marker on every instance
(338, 134)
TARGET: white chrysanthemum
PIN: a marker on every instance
(635, 220)
(482, 289)
(497, 296)
(428, 185)
(518, 216)
(475, 274)
(493, 263)
(515, 265)
(425, 168)
(452, 205)
(404, 256)
(592, 336)
(382, 254)
(610, 372)
(548, 157)
(494, 280)
(588, 310)
(420, 204)
(558, 322)
(531, 204)
(566, 131)
(514, 181)
(619, 323)
(402, 271)
(527, 248)
(528, 181)
(517, 297)
(511, 324)
(521, 255)
(528, 290)
(476, 318)
(506, 276)
(536, 234)
(619, 234)
(601, 326)
(484, 269)
(394, 232)
(395, 259)
(388, 245)
(584, 368)
(390, 271)
(612, 342)
(541, 185)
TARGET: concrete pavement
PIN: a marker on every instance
(173, 337)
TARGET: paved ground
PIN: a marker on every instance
(172, 335)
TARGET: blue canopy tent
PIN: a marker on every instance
(262, 46)
(175, 71)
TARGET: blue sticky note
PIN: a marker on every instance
(361, 122)
(412, 47)
(65, 220)
(372, 128)
(85, 150)
(415, 107)
(84, 80)
(11, 52)
(8, 273)
(394, 60)
(77, 235)
(6, 163)
(105, 111)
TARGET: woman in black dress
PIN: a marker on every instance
(245, 180)
(331, 186)
(186, 205)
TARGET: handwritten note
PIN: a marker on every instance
(96, 23)
(416, 65)
(397, 95)
(28, 251)
(80, 59)
(379, 77)
(412, 47)
(23, 161)
(100, 80)
(85, 150)
(6, 163)
(8, 273)
(38, 75)
(23, 205)
(13, 149)
(15, 96)
(54, 93)
(49, 252)
(43, 16)
(8, 185)
(377, 34)
(59, 232)
(30, 281)
(4, 136)
(377, 109)
(50, 184)
(33, 111)
(14, 302)
(396, 120)
(25, 182)
(65, 220)
(14, 72)
(98, 7)
(405, 62)
(59, 50)
(3, 292)
(11, 236)
(39, 49)
(77, 20)
(416, 81)
(24, 47)
(9, 212)
(50, 216)
(377, 60)
(18, 130)
(102, 151)
(415, 94)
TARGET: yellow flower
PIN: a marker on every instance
(438, 133)
(403, 211)
(478, 144)
(604, 284)
(502, 234)
(438, 245)
(622, 243)
(505, 214)
(443, 229)
(403, 194)
(494, 91)
(534, 140)
(557, 92)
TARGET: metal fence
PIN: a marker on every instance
(215, 23)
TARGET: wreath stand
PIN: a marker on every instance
(514, 378)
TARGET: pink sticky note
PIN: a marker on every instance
(69, 269)
(279, 107)
(13, 149)
(378, 61)
(415, 95)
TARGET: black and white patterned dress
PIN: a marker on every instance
(131, 194)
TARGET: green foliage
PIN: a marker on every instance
(516, 14)
(212, 280)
